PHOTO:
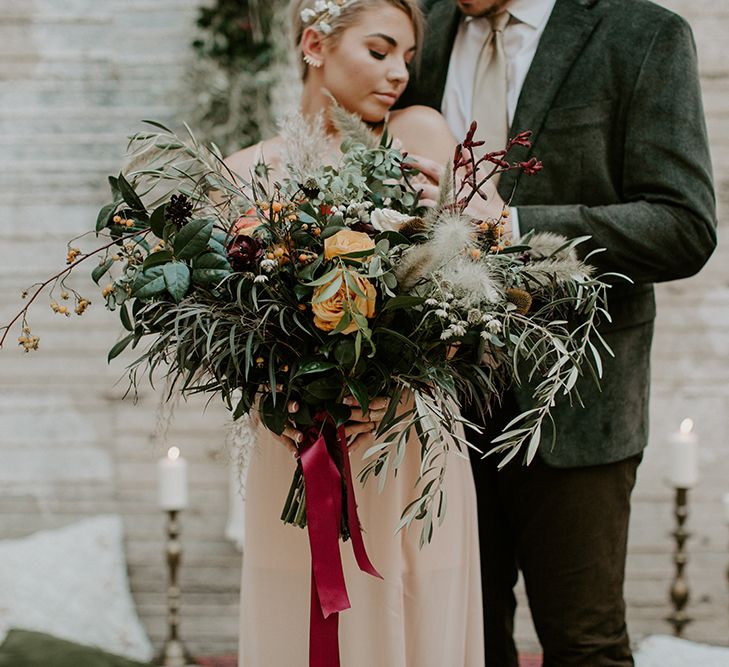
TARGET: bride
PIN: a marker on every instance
(426, 612)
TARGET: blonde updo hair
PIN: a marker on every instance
(347, 18)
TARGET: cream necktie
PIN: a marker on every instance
(489, 88)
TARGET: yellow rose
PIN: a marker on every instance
(346, 241)
(328, 313)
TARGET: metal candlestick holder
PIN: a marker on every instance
(173, 652)
(679, 590)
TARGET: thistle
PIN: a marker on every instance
(520, 298)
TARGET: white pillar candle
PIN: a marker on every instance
(684, 473)
(172, 470)
(725, 500)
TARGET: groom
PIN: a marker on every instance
(611, 91)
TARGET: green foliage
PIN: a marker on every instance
(228, 311)
(238, 44)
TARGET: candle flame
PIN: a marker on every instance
(173, 453)
(687, 426)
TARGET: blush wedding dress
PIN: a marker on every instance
(425, 612)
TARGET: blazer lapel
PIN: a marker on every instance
(442, 25)
(566, 32)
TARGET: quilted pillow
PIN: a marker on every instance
(72, 583)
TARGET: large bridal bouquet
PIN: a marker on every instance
(332, 281)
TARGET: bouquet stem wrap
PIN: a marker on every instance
(323, 480)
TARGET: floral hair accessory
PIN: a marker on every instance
(322, 13)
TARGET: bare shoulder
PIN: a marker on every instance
(423, 131)
(418, 116)
(269, 151)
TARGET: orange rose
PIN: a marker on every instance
(246, 224)
(328, 313)
(346, 241)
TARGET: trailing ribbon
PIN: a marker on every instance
(323, 483)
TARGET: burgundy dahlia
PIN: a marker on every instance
(244, 252)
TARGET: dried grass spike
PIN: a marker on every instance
(351, 126)
(305, 144)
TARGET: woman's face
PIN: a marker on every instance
(366, 68)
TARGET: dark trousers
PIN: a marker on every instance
(566, 530)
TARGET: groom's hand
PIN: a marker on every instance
(360, 428)
(492, 208)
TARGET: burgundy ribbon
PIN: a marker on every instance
(323, 483)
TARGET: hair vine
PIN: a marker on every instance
(320, 16)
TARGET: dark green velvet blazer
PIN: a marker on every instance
(613, 99)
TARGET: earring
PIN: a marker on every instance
(312, 62)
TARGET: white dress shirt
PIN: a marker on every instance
(521, 38)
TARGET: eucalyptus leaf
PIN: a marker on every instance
(157, 221)
(325, 388)
(331, 230)
(100, 270)
(155, 258)
(126, 320)
(192, 238)
(273, 416)
(329, 291)
(105, 215)
(359, 391)
(315, 366)
(177, 279)
(149, 283)
(129, 195)
(120, 347)
(210, 268)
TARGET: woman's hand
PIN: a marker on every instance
(361, 428)
(428, 180)
(291, 437)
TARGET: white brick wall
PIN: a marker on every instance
(76, 76)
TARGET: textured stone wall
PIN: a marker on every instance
(76, 76)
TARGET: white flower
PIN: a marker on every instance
(446, 334)
(431, 302)
(260, 279)
(320, 6)
(269, 265)
(388, 220)
(307, 14)
(334, 10)
(494, 326)
(474, 316)
(441, 313)
(325, 27)
(458, 330)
